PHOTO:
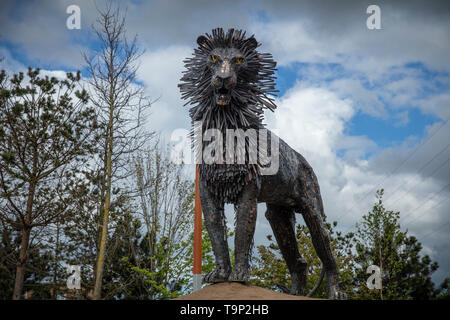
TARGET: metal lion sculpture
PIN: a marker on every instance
(229, 84)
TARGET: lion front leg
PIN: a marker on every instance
(246, 212)
(214, 217)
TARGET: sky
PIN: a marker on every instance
(367, 108)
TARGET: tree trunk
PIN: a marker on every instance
(55, 264)
(381, 273)
(20, 271)
(101, 254)
(23, 254)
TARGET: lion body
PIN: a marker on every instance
(228, 83)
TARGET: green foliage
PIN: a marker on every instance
(405, 273)
(8, 253)
(443, 292)
(150, 231)
(46, 131)
(166, 208)
(51, 157)
(269, 269)
(37, 273)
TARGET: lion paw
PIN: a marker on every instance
(215, 276)
(239, 275)
(336, 294)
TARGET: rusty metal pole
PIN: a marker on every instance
(197, 268)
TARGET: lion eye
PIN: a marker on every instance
(239, 60)
(214, 58)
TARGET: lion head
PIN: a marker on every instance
(228, 84)
(227, 81)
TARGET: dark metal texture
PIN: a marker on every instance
(228, 84)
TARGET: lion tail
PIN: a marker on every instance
(319, 281)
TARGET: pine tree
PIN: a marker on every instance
(269, 270)
(8, 256)
(45, 131)
(406, 274)
(81, 237)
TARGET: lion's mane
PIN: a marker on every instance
(249, 98)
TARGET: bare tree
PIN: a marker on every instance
(165, 195)
(121, 104)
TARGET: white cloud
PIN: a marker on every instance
(312, 121)
(311, 117)
(160, 71)
(438, 105)
(9, 63)
(366, 100)
(289, 41)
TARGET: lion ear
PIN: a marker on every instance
(202, 40)
(251, 43)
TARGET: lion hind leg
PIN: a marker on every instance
(313, 215)
(282, 221)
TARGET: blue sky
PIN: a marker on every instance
(384, 131)
(355, 102)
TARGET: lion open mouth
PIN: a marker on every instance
(223, 96)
